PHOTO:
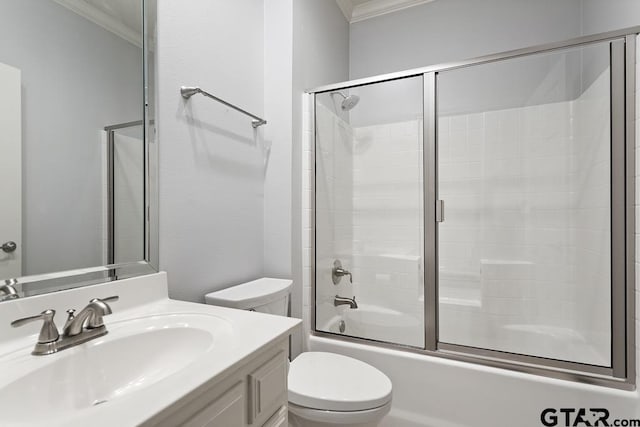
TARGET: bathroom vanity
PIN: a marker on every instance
(162, 363)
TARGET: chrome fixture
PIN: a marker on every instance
(337, 272)
(84, 327)
(9, 247)
(348, 101)
(89, 317)
(188, 91)
(351, 302)
(8, 290)
(342, 326)
(49, 335)
(439, 210)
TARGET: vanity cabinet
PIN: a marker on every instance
(251, 393)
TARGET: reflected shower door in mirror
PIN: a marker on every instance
(524, 169)
(369, 212)
(125, 193)
(69, 71)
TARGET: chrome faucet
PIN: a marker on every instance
(337, 272)
(351, 302)
(87, 325)
(89, 318)
(8, 291)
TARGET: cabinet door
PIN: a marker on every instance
(228, 410)
(267, 387)
(279, 419)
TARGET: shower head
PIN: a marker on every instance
(348, 102)
(188, 91)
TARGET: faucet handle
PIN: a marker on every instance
(337, 272)
(112, 298)
(48, 333)
(95, 321)
(71, 314)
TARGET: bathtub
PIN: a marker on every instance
(431, 391)
(376, 323)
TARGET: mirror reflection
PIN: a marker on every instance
(72, 155)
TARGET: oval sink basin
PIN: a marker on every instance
(135, 354)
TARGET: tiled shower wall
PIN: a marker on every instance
(334, 204)
(388, 228)
(369, 216)
(520, 259)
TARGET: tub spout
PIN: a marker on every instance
(351, 302)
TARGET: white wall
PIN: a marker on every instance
(212, 162)
(77, 78)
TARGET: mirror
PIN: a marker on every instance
(77, 156)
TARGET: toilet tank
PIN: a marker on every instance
(265, 295)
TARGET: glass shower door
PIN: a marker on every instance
(128, 195)
(524, 170)
(369, 212)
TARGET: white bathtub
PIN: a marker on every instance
(376, 323)
(435, 392)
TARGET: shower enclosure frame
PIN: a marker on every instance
(622, 373)
(110, 130)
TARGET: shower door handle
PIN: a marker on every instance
(9, 246)
(439, 210)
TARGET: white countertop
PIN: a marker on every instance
(246, 333)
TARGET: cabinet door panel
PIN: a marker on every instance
(226, 411)
(267, 384)
(279, 419)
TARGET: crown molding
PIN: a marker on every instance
(102, 19)
(346, 7)
(373, 8)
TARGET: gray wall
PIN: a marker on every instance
(605, 15)
(76, 79)
(229, 196)
(278, 69)
(212, 162)
(451, 30)
(320, 56)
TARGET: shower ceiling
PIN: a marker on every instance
(359, 10)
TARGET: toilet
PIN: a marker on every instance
(325, 389)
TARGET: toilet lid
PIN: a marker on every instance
(334, 382)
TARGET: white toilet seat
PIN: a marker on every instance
(320, 381)
(340, 417)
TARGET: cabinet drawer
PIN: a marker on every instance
(267, 387)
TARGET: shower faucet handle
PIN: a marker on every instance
(337, 272)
